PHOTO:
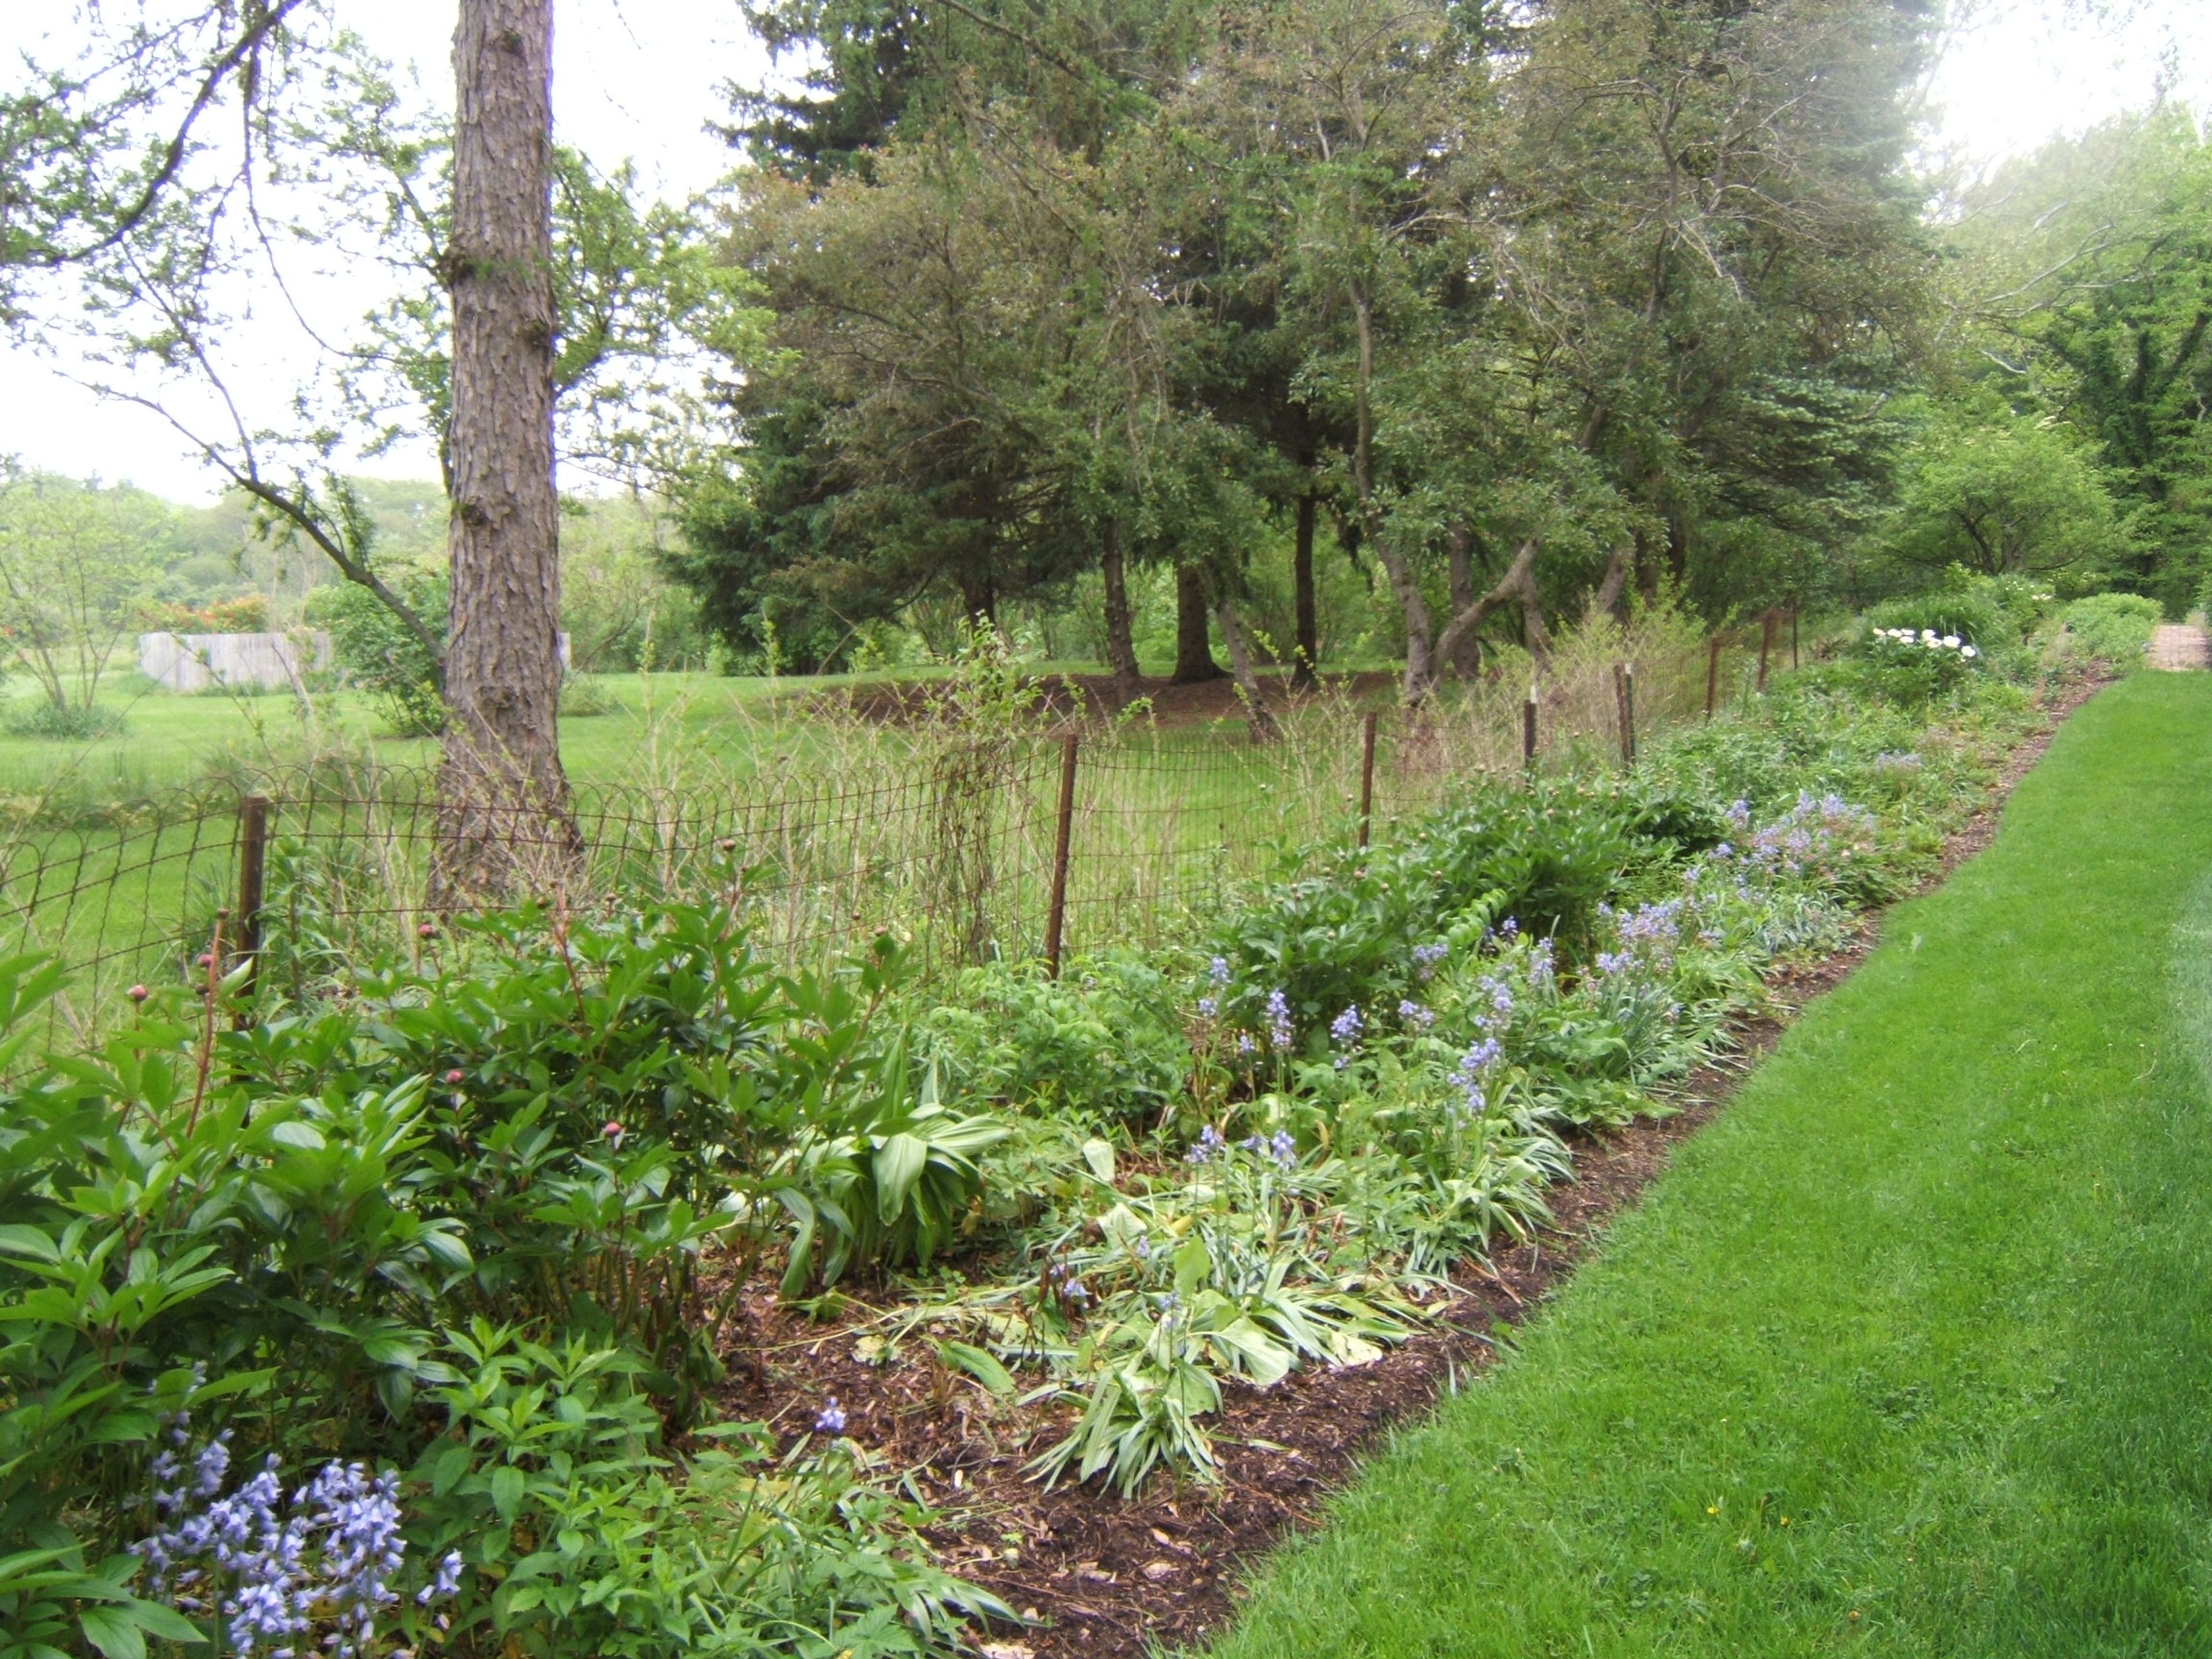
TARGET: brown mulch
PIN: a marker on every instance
(1098, 1575)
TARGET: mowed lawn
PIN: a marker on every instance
(1911, 1352)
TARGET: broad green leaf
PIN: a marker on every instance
(1192, 1265)
(899, 1163)
(112, 1631)
(979, 1364)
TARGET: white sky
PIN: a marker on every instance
(640, 78)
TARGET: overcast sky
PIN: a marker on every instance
(641, 78)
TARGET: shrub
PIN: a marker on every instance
(378, 651)
(65, 723)
(1977, 613)
(1102, 1042)
(2114, 627)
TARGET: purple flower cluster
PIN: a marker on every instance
(1280, 1146)
(276, 1576)
(1344, 1030)
(1814, 834)
(1064, 1281)
(1501, 1002)
(831, 1418)
(1209, 1146)
(1280, 1033)
(1216, 976)
(1426, 956)
(1414, 1017)
(1473, 1076)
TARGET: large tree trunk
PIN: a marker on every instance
(1262, 723)
(1466, 660)
(1120, 646)
(1305, 670)
(504, 822)
(1419, 672)
(1519, 582)
(1606, 597)
(1194, 649)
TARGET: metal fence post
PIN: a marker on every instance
(253, 874)
(1712, 673)
(1765, 645)
(1366, 774)
(1528, 730)
(1056, 918)
(1623, 698)
(1793, 636)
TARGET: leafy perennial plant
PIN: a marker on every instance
(450, 1255)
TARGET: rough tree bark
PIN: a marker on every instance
(1194, 649)
(504, 821)
(1120, 646)
(1466, 660)
(1305, 670)
(1519, 582)
(1605, 599)
(1264, 729)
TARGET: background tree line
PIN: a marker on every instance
(1514, 309)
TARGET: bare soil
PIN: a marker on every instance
(1097, 1575)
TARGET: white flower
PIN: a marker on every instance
(1927, 637)
(1968, 651)
(1952, 640)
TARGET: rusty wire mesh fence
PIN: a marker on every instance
(960, 845)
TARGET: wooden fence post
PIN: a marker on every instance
(1057, 919)
(1765, 645)
(1712, 673)
(252, 880)
(1624, 699)
(1528, 730)
(1366, 774)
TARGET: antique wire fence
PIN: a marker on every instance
(956, 839)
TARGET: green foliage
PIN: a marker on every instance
(1742, 1429)
(1103, 1043)
(2113, 627)
(380, 654)
(1975, 612)
(584, 1537)
(63, 722)
(483, 1187)
(1339, 931)
(2003, 496)
(75, 560)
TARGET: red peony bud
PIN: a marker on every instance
(138, 993)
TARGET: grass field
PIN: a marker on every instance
(167, 738)
(1911, 1352)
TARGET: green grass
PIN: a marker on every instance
(736, 724)
(1911, 1352)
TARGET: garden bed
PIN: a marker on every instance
(1098, 1576)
